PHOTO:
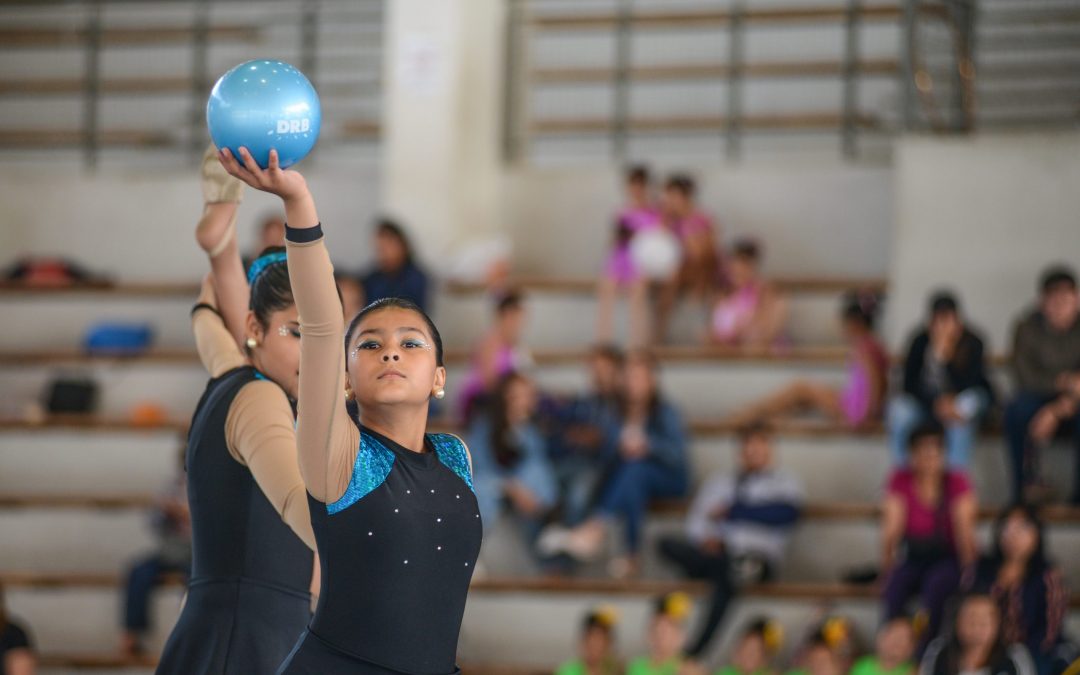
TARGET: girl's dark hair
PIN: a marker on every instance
(862, 307)
(650, 360)
(270, 289)
(954, 650)
(508, 301)
(746, 249)
(378, 305)
(638, 173)
(3, 609)
(504, 446)
(681, 183)
(1038, 562)
(391, 228)
(928, 429)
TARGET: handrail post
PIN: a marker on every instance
(849, 130)
(621, 80)
(963, 103)
(92, 84)
(907, 65)
(733, 124)
(199, 77)
(309, 40)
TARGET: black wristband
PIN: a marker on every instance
(204, 305)
(303, 235)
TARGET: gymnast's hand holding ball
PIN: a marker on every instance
(285, 183)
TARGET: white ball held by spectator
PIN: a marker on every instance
(656, 253)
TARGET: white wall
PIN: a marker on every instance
(815, 216)
(982, 215)
(140, 226)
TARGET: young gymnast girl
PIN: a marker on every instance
(248, 598)
(393, 508)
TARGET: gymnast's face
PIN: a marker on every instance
(278, 352)
(391, 360)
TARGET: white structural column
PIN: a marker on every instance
(441, 120)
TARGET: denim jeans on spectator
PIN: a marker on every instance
(632, 486)
(905, 413)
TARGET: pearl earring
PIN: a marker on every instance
(440, 394)
(251, 343)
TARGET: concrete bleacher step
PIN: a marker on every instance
(514, 621)
(57, 318)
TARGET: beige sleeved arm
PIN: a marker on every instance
(259, 434)
(326, 437)
(217, 348)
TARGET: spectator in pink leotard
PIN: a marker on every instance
(859, 401)
(497, 354)
(750, 313)
(620, 273)
(700, 268)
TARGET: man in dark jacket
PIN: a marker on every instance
(1046, 365)
(944, 379)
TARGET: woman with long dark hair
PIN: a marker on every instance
(17, 655)
(396, 274)
(976, 645)
(1028, 588)
(249, 592)
(650, 462)
(392, 507)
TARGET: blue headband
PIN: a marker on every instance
(261, 263)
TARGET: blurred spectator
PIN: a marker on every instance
(498, 353)
(650, 463)
(930, 510)
(738, 527)
(17, 655)
(1028, 589)
(510, 462)
(620, 273)
(580, 442)
(818, 659)
(755, 649)
(352, 295)
(750, 312)
(700, 266)
(894, 650)
(860, 400)
(596, 650)
(271, 233)
(396, 273)
(666, 638)
(944, 379)
(1046, 364)
(172, 523)
(976, 644)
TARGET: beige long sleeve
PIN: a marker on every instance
(259, 434)
(326, 437)
(215, 344)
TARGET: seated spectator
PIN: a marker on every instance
(172, 523)
(620, 273)
(1046, 365)
(352, 295)
(666, 637)
(755, 650)
(580, 442)
(818, 659)
(396, 273)
(750, 312)
(944, 379)
(894, 650)
(859, 402)
(976, 644)
(737, 529)
(1028, 589)
(17, 656)
(596, 650)
(929, 510)
(497, 354)
(700, 267)
(510, 462)
(649, 463)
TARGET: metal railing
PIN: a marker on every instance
(939, 98)
(306, 21)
